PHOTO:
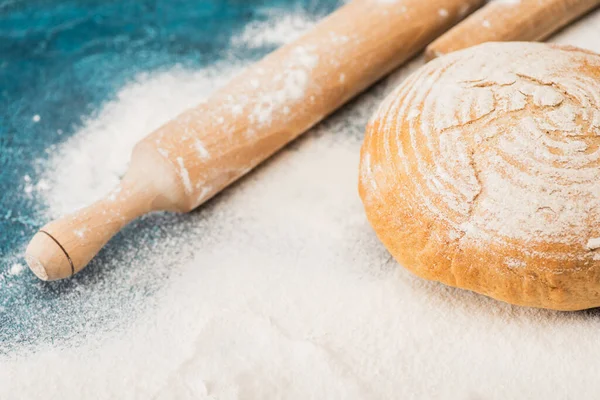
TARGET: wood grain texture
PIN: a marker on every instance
(508, 20)
(193, 157)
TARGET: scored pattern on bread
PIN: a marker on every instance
(493, 152)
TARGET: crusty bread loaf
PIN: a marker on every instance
(482, 171)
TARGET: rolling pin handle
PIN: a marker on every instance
(62, 248)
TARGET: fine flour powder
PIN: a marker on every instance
(279, 288)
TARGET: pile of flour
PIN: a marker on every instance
(278, 288)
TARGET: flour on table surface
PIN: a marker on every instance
(279, 288)
(99, 154)
(16, 269)
(277, 30)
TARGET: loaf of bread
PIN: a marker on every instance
(482, 171)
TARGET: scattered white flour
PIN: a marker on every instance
(98, 155)
(277, 30)
(16, 269)
(279, 289)
(36, 118)
(80, 232)
(292, 84)
(185, 176)
(514, 263)
(593, 244)
(28, 187)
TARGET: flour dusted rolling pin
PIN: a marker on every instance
(194, 156)
(510, 20)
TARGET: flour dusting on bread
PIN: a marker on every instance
(481, 170)
(507, 142)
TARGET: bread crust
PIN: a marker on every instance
(481, 171)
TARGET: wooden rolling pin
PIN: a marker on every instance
(193, 157)
(510, 20)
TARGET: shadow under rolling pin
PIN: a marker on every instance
(194, 156)
(509, 21)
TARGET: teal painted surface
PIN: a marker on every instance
(62, 60)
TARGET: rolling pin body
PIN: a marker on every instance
(194, 156)
(510, 20)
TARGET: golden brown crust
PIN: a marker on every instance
(517, 218)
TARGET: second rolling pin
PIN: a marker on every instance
(510, 20)
(196, 155)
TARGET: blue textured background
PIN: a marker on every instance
(62, 60)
